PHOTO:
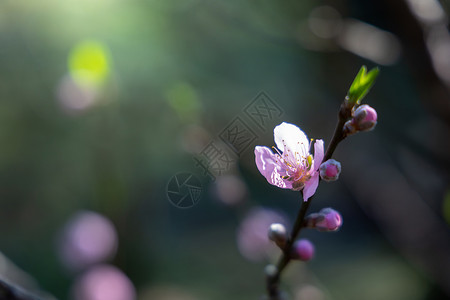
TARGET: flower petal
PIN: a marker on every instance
(271, 168)
(318, 154)
(289, 137)
(311, 186)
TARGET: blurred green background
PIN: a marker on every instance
(103, 102)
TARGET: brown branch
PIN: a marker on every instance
(273, 280)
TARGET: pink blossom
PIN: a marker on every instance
(292, 166)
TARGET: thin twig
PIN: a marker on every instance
(339, 135)
(273, 280)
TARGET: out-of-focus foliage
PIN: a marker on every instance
(88, 63)
(103, 102)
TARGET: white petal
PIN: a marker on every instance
(290, 139)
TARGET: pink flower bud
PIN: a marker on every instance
(277, 233)
(331, 221)
(326, 220)
(303, 250)
(364, 118)
(330, 170)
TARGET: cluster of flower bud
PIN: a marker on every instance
(326, 219)
(302, 249)
(364, 118)
(330, 170)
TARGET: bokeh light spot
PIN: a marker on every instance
(183, 98)
(88, 238)
(252, 240)
(89, 63)
(370, 42)
(104, 283)
(230, 189)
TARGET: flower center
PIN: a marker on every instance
(297, 166)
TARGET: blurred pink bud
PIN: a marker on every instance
(331, 221)
(277, 233)
(303, 250)
(330, 170)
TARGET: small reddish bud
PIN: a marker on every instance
(278, 234)
(326, 220)
(331, 221)
(365, 117)
(303, 250)
(330, 170)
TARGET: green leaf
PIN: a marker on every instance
(361, 84)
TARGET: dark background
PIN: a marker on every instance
(103, 102)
